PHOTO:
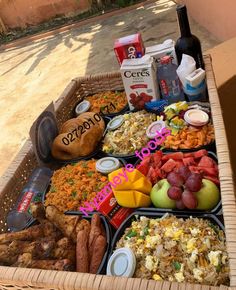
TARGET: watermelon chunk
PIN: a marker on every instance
(189, 154)
(194, 169)
(213, 179)
(169, 166)
(189, 161)
(175, 156)
(179, 164)
(209, 171)
(157, 157)
(200, 153)
(152, 175)
(143, 168)
(206, 162)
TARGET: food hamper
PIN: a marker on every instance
(20, 169)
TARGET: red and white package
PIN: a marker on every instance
(115, 213)
(140, 81)
(129, 47)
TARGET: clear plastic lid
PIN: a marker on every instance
(82, 107)
(153, 127)
(196, 117)
(115, 123)
(122, 263)
(107, 164)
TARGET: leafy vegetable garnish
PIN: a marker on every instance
(145, 231)
(73, 163)
(74, 193)
(53, 188)
(218, 268)
(90, 173)
(71, 181)
(84, 164)
(131, 234)
(214, 227)
(105, 97)
(176, 265)
(84, 194)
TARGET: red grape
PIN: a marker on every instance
(184, 172)
(174, 193)
(189, 199)
(179, 204)
(194, 182)
(175, 179)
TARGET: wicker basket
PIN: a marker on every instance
(14, 178)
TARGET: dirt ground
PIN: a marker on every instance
(34, 74)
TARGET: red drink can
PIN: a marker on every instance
(129, 47)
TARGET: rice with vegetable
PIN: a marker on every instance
(107, 102)
(131, 135)
(74, 184)
(174, 249)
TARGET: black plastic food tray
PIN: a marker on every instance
(102, 267)
(217, 210)
(126, 223)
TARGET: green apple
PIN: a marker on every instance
(159, 195)
(208, 196)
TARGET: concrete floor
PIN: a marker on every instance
(33, 75)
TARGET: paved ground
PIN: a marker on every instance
(34, 74)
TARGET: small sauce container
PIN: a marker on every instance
(82, 107)
(115, 123)
(196, 117)
(107, 164)
(122, 263)
(153, 127)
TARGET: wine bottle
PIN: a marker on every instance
(187, 43)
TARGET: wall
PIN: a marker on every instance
(22, 13)
(218, 17)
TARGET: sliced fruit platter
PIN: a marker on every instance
(182, 180)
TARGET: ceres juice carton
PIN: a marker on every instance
(160, 50)
(129, 47)
(115, 213)
(140, 81)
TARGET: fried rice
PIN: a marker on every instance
(173, 249)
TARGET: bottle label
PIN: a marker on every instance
(28, 197)
(164, 87)
(25, 202)
(175, 88)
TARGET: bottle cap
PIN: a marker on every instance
(82, 107)
(196, 117)
(122, 263)
(165, 59)
(107, 164)
(153, 127)
(115, 123)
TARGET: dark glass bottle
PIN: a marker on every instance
(187, 43)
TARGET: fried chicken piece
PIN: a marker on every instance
(38, 211)
(29, 234)
(6, 257)
(26, 261)
(65, 249)
(65, 223)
